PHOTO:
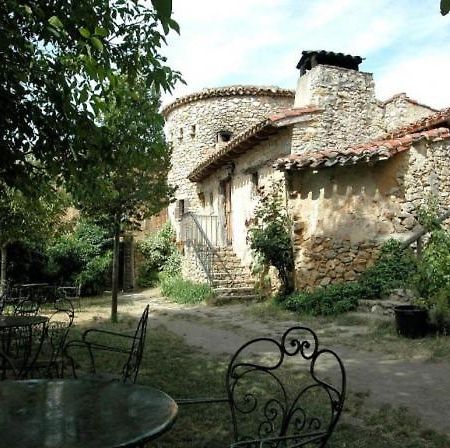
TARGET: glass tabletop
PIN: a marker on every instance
(82, 413)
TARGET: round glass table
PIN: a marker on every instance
(82, 414)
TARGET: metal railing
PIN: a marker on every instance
(201, 233)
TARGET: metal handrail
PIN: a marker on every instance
(203, 247)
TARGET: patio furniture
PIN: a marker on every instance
(96, 342)
(73, 293)
(18, 341)
(273, 403)
(27, 307)
(82, 414)
(50, 361)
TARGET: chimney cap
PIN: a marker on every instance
(310, 59)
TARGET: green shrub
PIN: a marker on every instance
(395, 268)
(184, 291)
(270, 235)
(328, 300)
(82, 255)
(160, 254)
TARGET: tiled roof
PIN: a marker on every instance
(249, 138)
(405, 97)
(441, 117)
(366, 153)
(237, 90)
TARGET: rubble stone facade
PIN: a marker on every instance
(340, 214)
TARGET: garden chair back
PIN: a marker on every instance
(93, 343)
(49, 363)
(283, 393)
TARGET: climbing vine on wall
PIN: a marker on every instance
(270, 234)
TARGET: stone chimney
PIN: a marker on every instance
(351, 113)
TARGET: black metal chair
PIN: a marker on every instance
(72, 293)
(50, 361)
(91, 342)
(27, 307)
(273, 403)
(8, 370)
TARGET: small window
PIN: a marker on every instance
(180, 134)
(255, 184)
(179, 209)
(193, 130)
(201, 198)
(224, 136)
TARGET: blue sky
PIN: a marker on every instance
(406, 43)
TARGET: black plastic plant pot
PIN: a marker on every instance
(411, 321)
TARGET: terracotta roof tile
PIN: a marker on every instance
(247, 139)
(437, 119)
(368, 152)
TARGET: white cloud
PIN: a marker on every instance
(424, 78)
(260, 41)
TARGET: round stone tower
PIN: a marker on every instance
(199, 124)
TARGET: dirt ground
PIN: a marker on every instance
(420, 386)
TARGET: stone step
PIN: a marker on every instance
(234, 291)
(224, 300)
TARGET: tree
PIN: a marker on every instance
(137, 186)
(445, 7)
(58, 59)
(25, 218)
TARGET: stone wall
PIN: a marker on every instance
(400, 110)
(191, 267)
(192, 128)
(342, 215)
(351, 114)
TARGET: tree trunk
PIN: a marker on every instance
(4, 262)
(115, 272)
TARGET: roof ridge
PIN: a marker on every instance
(373, 151)
(407, 98)
(231, 90)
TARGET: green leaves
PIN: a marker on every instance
(163, 8)
(55, 23)
(445, 7)
(84, 32)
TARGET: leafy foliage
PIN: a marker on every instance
(59, 60)
(330, 300)
(395, 268)
(270, 234)
(160, 254)
(81, 256)
(445, 7)
(184, 291)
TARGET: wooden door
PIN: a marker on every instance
(227, 211)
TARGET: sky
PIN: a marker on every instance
(405, 43)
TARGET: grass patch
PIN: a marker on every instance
(182, 372)
(184, 291)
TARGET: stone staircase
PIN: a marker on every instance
(231, 281)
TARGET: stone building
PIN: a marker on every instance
(354, 170)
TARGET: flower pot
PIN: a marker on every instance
(411, 321)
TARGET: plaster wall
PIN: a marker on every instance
(244, 195)
(342, 215)
(192, 130)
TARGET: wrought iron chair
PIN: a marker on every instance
(272, 402)
(50, 361)
(27, 307)
(73, 293)
(8, 370)
(91, 343)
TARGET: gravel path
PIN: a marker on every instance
(422, 387)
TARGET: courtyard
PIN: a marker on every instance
(397, 388)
